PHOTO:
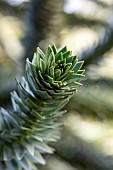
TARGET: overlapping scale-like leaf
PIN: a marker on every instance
(50, 80)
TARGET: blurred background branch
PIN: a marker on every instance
(45, 24)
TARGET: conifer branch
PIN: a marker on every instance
(25, 133)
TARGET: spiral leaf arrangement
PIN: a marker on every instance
(25, 133)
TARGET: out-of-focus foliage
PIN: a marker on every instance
(86, 27)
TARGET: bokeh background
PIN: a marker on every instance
(86, 27)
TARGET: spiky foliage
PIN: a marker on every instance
(50, 80)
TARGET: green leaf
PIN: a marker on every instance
(18, 150)
(74, 77)
(34, 60)
(9, 117)
(43, 95)
(51, 71)
(69, 59)
(24, 164)
(63, 50)
(48, 79)
(78, 66)
(11, 165)
(2, 122)
(80, 71)
(29, 147)
(42, 66)
(67, 54)
(42, 147)
(8, 153)
(58, 57)
(39, 54)
(50, 58)
(54, 49)
(39, 158)
(57, 74)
